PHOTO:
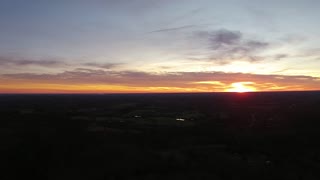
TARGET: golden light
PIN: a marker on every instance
(242, 87)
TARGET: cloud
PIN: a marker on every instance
(10, 61)
(102, 65)
(253, 44)
(280, 56)
(226, 46)
(220, 38)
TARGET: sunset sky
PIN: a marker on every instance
(130, 46)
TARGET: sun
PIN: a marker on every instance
(242, 87)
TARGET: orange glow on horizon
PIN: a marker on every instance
(242, 87)
(21, 87)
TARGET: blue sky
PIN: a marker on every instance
(168, 36)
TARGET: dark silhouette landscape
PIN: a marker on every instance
(258, 135)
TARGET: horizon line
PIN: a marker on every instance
(137, 93)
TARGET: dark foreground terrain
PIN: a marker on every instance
(161, 136)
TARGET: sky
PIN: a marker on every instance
(137, 46)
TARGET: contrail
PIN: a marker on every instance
(171, 29)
